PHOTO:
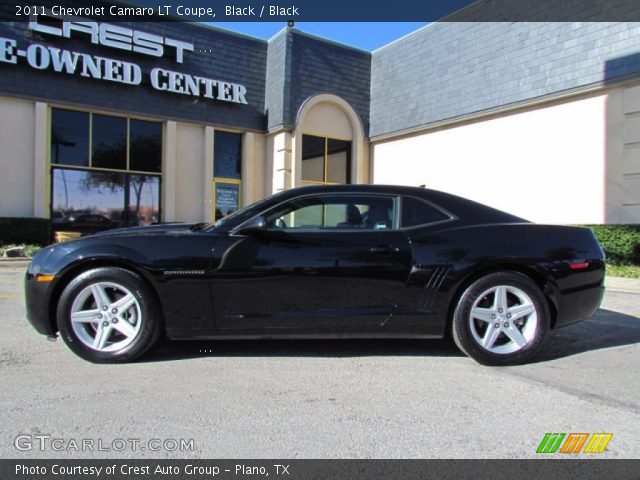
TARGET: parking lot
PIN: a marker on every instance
(319, 399)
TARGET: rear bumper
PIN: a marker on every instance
(578, 295)
(577, 306)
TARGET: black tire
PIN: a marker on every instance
(144, 313)
(466, 330)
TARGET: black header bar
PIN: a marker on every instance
(278, 469)
(333, 10)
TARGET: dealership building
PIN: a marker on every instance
(173, 121)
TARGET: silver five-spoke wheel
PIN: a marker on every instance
(503, 319)
(106, 316)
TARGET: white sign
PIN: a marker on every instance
(42, 57)
(117, 37)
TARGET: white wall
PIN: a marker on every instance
(17, 157)
(327, 120)
(623, 155)
(189, 182)
(546, 165)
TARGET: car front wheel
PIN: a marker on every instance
(501, 319)
(108, 315)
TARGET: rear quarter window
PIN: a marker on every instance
(417, 212)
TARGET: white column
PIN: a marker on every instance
(41, 180)
(208, 173)
(282, 168)
(169, 173)
(361, 160)
(253, 167)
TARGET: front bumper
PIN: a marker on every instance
(37, 296)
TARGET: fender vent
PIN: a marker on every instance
(434, 283)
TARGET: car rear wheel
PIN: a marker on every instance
(108, 315)
(501, 319)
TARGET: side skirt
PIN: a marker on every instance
(275, 336)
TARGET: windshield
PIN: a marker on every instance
(245, 213)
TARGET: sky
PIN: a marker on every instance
(363, 35)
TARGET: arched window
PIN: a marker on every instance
(329, 143)
(325, 161)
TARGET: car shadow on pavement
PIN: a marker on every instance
(606, 329)
(182, 350)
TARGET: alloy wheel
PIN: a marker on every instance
(503, 319)
(106, 316)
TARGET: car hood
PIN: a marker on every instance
(168, 228)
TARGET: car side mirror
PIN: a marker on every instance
(255, 225)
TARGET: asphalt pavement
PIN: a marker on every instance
(318, 399)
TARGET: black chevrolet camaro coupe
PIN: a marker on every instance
(323, 262)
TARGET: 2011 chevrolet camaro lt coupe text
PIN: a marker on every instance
(322, 261)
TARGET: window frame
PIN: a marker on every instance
(325, 162)
(90, 166)
(127, 178)
(394, 228)
(162, 137)
(236, 181)
(127, 140)
(50, 165)
(450, 216)
(229, 181)
(87, 153)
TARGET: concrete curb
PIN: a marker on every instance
(14, 262)
(622, 284)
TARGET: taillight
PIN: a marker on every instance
(578, 266)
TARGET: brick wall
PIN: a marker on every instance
(453, 69)
(278, 80)
(319, 66)
(218, 55)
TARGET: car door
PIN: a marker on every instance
(324, 264)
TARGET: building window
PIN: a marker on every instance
(105, 171)
(145, 146)
(108, 142)
(325, 161)
(227, 173)
(70, 137)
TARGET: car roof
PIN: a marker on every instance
(368, 188)
(463, 208)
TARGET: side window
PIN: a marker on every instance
(335, 212)
(416, 212)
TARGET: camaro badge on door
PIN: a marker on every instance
(183, 272)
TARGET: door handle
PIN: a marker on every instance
(384, 249)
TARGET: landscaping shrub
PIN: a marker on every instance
(17, 230)
(621, 243)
